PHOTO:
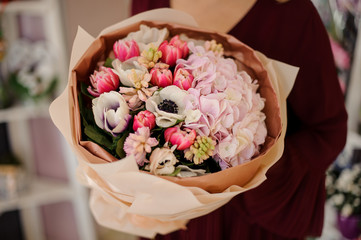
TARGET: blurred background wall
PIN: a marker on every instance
(92, 15)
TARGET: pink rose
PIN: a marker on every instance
(183, 78)
(103, 81)
(170, 53)
(182, 138)
(144, 119)
(124, 50)
(161, 75)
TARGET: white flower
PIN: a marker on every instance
(189, 172)
(126, 68)
(195, 42)
(346, 210)
(111, 112)
(356, 202)
(338, 199)
(147, 36)
(329, 180)
(192, 116)
(162, 161)
(356, 190)
(168, 106)
(344, 181)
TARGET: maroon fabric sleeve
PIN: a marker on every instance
(139, 6)
(290, 203)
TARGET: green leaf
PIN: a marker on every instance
(108, 63)
(97, 136)
(120, 146)
(86, 113)
(17, 88)
(49, 90)
(175, 173)
(135, 112)
(84, 90)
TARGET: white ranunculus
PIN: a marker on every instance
(148, 36)
(111, 112)
(124, 69)
(162, 161)
(346, 210)
(177, 96)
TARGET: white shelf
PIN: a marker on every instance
(353, 100)
(41, 191)
(21, 112)
(32, 6)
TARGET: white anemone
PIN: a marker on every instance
(177, 97)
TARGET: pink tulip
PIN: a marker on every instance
(183, 78)
(144, 119)
(182, 45)
(103, 81)
(170, 53)
(124, 50)
(182, 138)
(161, 75)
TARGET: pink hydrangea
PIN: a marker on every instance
(231, 108)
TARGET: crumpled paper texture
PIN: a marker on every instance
(126, 199)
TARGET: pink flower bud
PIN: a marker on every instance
(170, 53)
(103, 81)
(183, 78)
(182, 138)
(161, 75)
(182, 45)
(124, 50)
(144, 119)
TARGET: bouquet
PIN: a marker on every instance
(181, 108)
(169, 121)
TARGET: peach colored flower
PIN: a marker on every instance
(139, 144)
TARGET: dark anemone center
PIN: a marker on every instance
(168, 106)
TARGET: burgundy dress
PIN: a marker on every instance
(290, 203)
